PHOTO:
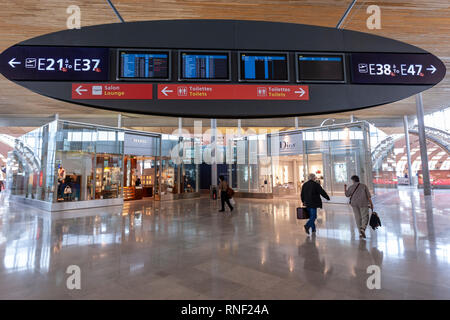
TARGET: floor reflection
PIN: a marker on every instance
(314, 268)
(187, 250)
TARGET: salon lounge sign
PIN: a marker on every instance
(290, 144)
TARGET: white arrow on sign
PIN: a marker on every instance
(166, 90)
(79, 90)
(432, 69)
(13, 62)
(300, 91)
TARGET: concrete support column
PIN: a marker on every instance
(295, 168)
(180, 170)
(408, 149)
(230, 175)
(56, 116)
(213, 152)
(180, 126)
(352, 118)
(119, 120)
(197, 178)
(296, 122)
(423, 145)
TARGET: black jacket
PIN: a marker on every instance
(311, 192)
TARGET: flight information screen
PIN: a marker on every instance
(316, 67)
(210, 66)
(144, 65)
(264, 67)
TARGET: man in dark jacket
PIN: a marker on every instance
(311, 192)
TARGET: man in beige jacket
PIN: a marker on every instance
(361, 201)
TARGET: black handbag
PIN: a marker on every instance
(302, 213)
(374, 220)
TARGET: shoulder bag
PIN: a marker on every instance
(350, 200)
(230, 192)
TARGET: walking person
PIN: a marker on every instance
(310, 195)
(223, 187)
(361, 201)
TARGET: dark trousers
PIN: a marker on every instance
(312, 219)
(224, 198)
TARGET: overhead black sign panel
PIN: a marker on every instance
(55, 63)
(392, 68)
(221, 68)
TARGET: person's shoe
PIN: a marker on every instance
(232, 208)
(362, 234)
(221, 210)
(306, 229)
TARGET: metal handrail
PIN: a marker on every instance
(442, 138)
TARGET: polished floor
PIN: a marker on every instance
(187, 250)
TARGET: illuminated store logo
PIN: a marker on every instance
(285, 145)
(139, 140)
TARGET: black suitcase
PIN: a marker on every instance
(302, 213)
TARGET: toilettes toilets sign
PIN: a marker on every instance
(232, 92)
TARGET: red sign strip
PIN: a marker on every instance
(103, 91)
(232, 92)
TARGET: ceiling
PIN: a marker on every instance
(422, 23)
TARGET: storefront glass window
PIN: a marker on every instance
(170, 170)
(108, 176)
(189, 170)
(30, 164)
(346, 157)
(109, 163)
(66, 161)
(169, 175)
(75, 162)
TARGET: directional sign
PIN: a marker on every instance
(55, 63)
(197, 69)
(395, 68)
(231, 92)
(13, 63)
(103, 91)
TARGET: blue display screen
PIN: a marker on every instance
(55, 63)
(262, 67)
(204, 66)
(320, 68)
(336, 59)
(144, 65)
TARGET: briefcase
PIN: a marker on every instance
(302, 213)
